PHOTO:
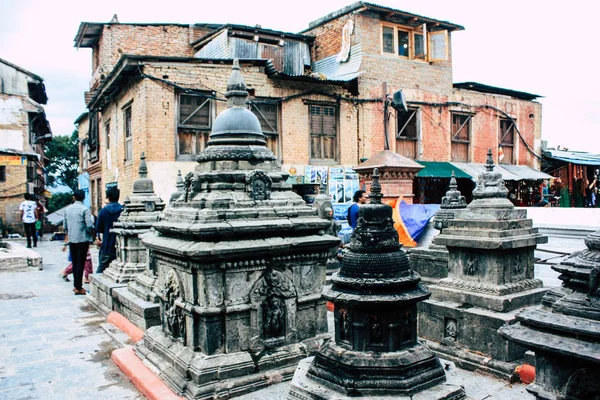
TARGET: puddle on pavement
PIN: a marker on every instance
(106, 348)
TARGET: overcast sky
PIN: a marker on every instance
(535, 46)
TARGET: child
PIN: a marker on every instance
(87, 269)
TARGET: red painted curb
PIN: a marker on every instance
(146, 382)
(135, 333)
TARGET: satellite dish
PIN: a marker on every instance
(399, 101)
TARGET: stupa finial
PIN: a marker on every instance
(375, 194)
(489, 163)
(236, 87)
(143, 171)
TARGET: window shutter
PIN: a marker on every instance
(438, 46)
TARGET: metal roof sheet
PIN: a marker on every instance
(334, 70)
(480, 87)
(509, 172)
(574, 157)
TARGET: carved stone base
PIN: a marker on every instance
(141, 313)
(101, 292)
(122, 272)
(460, 327)
(304, 387)
(489, 301)
(431, 263)
(200, 377)
(142, 286)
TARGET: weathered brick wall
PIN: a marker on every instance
(11, 195)
(149, 40)
(328, 37)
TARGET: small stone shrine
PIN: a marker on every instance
(140, 211)
(565, 332)
(375, 296)
(431, 262)
(490, 280)
(240, 264)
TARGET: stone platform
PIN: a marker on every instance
(309, 389)
(16, 257)
(100, 294)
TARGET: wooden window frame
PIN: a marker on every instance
(107, 134)
(466, 124)
(501, 136)
(128, 131)
(273, 135)
(336, 108)
(199, 132)
(411, 31)
(401, 127)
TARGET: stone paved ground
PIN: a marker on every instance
(51, 344)
(53, 348)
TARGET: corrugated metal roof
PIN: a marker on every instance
(574, 157)
(480, 87)
(216, 48)
(334, 70)
(509, 172)
(525, 172)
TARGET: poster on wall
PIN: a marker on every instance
(316, 175)
(343, 182)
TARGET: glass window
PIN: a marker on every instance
(128, 134)
(419, 46)
(388, 39)
(2, 174)
(403, 44)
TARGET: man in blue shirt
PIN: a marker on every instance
(106, 218)
(360, 197)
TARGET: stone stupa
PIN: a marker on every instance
(431, 262)
(490, 280)
(140, 210)
(240, 263)
(565, 332)
(375, 297)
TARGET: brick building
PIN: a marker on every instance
(24, 130)
(357, 81)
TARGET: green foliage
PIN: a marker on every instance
(58, 201)
(63, 156)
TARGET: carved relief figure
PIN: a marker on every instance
(258, 183)
(471, 267)
(273, 317)
(173, 318)
(376, 330)
(344, 325)
(450, 330)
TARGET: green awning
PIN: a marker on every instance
(440, 169)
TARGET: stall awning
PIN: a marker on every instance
(523, 172)
(509, 172)
(440, 169)
(574, 157)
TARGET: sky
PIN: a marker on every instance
(534, 46)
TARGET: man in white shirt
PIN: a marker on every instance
(29, 215)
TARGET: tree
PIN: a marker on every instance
(59, 200)
(63, 156)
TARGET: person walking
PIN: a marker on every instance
(88, 269)
(360, 197)
(29, 216)
(39, 225)
(78, 228)
(108, 215)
